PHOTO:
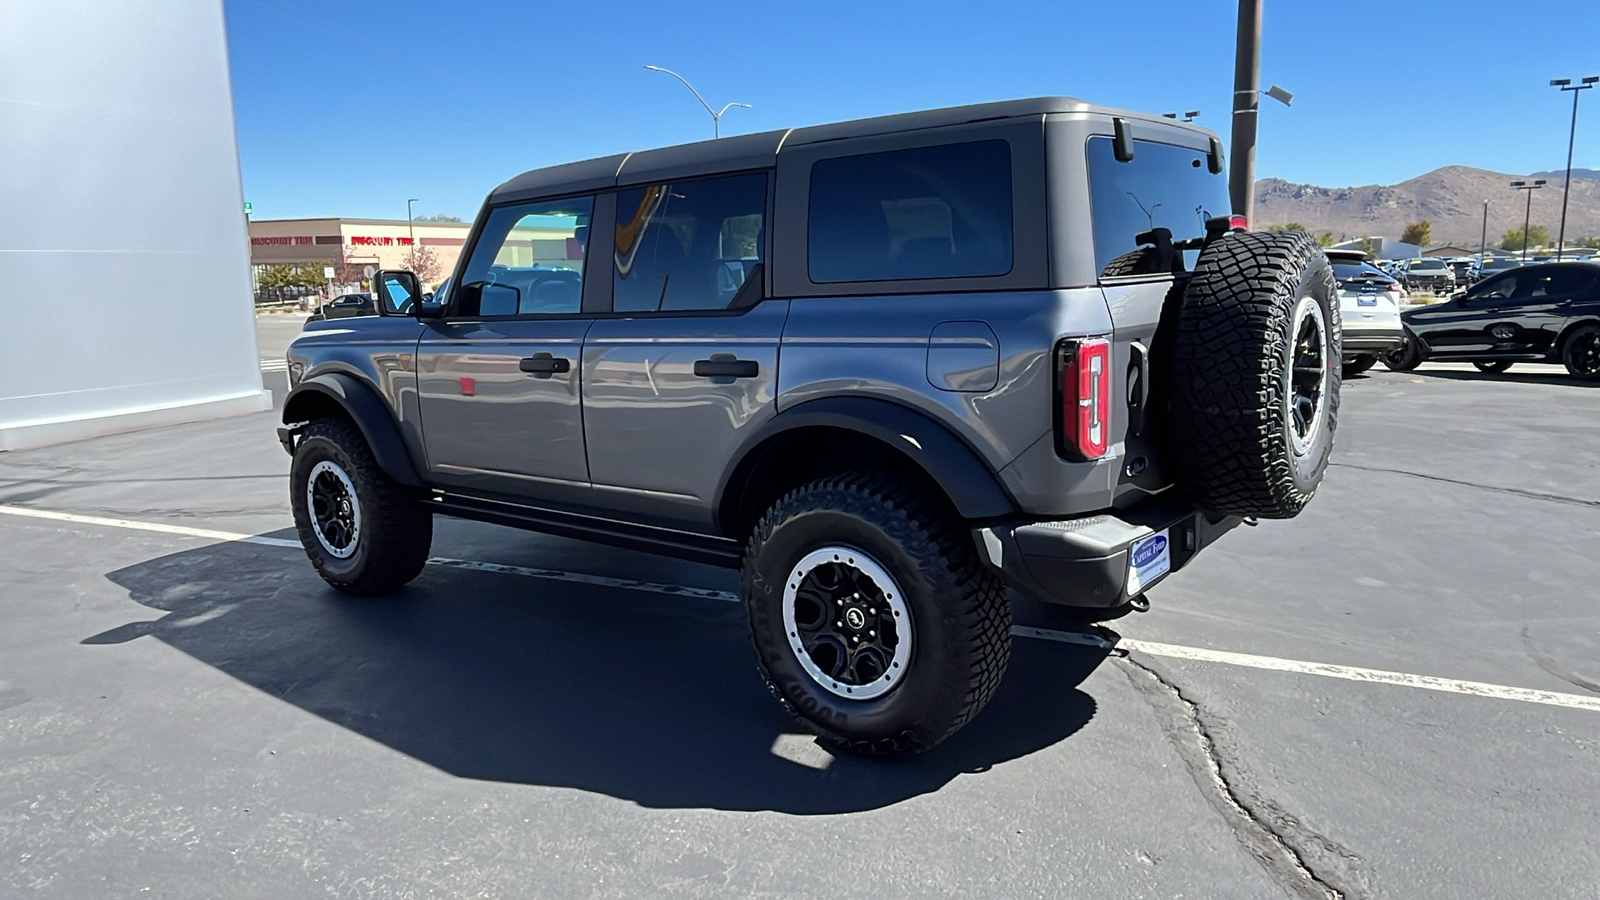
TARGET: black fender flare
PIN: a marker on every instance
(972, 486)
(362, 404)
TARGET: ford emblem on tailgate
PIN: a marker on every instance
(1149, 550)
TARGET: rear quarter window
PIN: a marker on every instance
(1163, 186)
(927, 212)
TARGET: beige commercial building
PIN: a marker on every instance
(352, 247)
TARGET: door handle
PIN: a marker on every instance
(542, 363)
(726, 365)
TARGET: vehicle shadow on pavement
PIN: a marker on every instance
(649, 698)
(1512, 376)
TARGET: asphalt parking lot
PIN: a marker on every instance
(1395, 695)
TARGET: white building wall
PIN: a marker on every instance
(124, 261)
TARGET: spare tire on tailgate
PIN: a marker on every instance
(1255, 374)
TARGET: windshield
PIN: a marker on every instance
(1347, 271)
(1426, 264)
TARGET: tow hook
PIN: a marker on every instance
(1139, 603)
(286, 438)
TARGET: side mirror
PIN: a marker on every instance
(396, 292)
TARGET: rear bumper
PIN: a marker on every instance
(1085, 561)
(1372, 340)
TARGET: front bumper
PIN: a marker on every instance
(1084, 562)
(1371, 340)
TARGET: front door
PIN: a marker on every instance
(687, 365)
(498, 377)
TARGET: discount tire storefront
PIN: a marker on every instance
(292, 258)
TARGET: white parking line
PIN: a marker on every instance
(1152, 648)
(1326, 670)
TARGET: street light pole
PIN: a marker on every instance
(1246, 105)
(1527, 210)
(411, 227)
(1566, 84)
(716, 115)
(1483, 237)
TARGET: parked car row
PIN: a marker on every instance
(1536, 313)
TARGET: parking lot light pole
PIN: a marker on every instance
(1483, 237)
(411, 228)
(1527, 210)
(716, 116)
(1566, 84)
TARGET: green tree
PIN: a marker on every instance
(1365, 245)
(1290, 226)
(1593, 243)
(1325, 239)
(1419, 233)
(1538, 236)
(290, 275)
(438, 217)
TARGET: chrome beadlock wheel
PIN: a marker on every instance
(1308, 375)
(335, 509)
(847, 622)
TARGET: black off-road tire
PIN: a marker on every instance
(1580, 353)
(1493, 367)
(1240, 357)
(1359, 365)
(960, 618)
(395, 531)
(1405, 357)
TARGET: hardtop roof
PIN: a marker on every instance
(757, 151)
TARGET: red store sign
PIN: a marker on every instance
(359, 241)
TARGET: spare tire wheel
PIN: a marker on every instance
(1255, 374)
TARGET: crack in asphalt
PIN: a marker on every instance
(1554, 668)
(1519, 492)
(1308, 864)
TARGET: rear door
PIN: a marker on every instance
(686, 364)
(498, 377)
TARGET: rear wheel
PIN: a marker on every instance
(363, 533)
(1360, 364)
(1581, 353)
(1493, 367)
(1405, 357)
(874, 622)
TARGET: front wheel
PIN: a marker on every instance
(1493, 367)
(1581, 353)
(874, 621)
(363, 533)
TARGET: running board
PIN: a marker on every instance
(701, 548)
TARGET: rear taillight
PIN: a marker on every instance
(1238, 223)
(1085, 425)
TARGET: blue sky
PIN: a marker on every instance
(348, 107)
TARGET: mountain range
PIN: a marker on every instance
(1451, 198)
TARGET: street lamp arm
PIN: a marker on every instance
(730, 106)
(690, 87)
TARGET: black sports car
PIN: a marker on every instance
(1538, 313)
(344, 307)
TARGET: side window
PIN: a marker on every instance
(1500, 287)
(1163, 186)
(688, 245)
(528, 260)
(929, 212)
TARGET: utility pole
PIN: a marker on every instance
(1566, 84)
(1246, 108)
(411, 227)
(1527, 210)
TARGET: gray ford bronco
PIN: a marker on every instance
(886, 368)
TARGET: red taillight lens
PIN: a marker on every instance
(1238, 223)
(1086, 398)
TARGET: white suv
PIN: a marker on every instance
(1369, 304)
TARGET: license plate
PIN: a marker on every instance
(1366, 301)
(1148, 559)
